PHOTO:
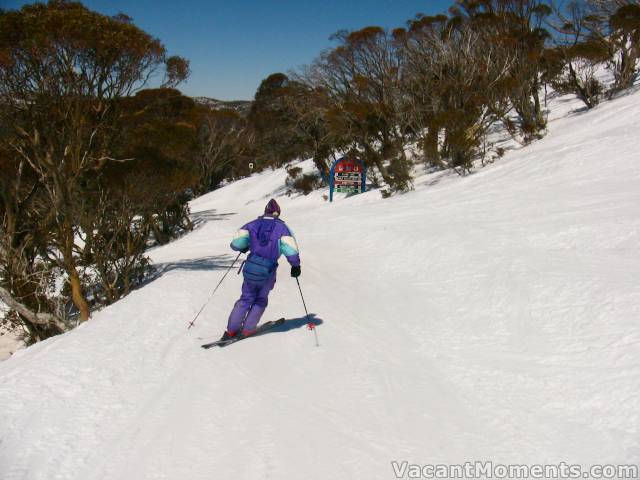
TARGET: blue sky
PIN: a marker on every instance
(233, 45)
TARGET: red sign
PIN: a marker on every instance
(347, 176)
(348, 166)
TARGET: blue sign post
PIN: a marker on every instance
(347, 175)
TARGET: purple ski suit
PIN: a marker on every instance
(267, 237)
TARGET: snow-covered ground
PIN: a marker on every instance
(9, 343)
(10, 340)
(492, 317)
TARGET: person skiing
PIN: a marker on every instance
(266, 238)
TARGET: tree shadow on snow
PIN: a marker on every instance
(576, 112)
(200, 218)
(212, 262)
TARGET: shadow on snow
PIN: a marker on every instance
(212, 262)
(200, 218)
(294, 323)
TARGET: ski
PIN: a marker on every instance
(261, 329)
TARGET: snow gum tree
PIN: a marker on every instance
(520, 28)
(63, 72)
(225, 146)
(591, 34)
(621, 32)
(576, 54)
(456, 81)
(129, 205)
(361, 78)
(288, 120)
(274, 121)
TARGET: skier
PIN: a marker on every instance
(267, 237)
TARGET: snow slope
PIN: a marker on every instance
(491, 317)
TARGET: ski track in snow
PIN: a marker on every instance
(491, 317)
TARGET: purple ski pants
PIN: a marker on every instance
(250, 306)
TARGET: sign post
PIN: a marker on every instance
(347, 175)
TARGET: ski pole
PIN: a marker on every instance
(310, 325)
(214, 291)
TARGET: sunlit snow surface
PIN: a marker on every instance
(491, 317)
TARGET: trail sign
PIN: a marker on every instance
(347, 175)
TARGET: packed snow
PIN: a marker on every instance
(10, 340)
(493, 317)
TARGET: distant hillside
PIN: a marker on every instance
(241, 106)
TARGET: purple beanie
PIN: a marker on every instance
(272, 208)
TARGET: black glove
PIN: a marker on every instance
(244, 250)
(295, 271)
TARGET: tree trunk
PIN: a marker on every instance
(77, 295)
(430, 148)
